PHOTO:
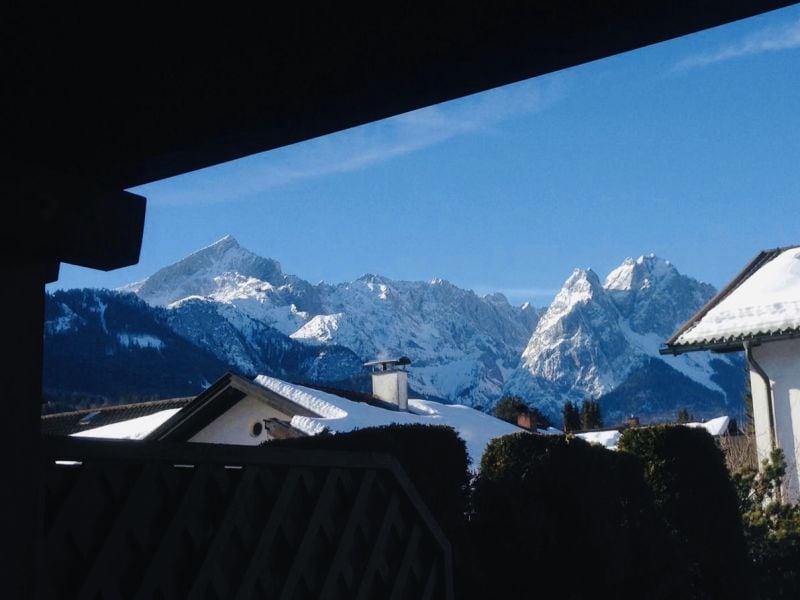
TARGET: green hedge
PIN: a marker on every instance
(556, 515)
(696, 500)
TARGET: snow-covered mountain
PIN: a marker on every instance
(463, 346)
(596, 338)
(105, 346)
(227, 273)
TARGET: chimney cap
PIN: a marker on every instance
(386, 363)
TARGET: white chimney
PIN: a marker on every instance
(390, 381)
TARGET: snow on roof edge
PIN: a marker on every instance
(739, 323)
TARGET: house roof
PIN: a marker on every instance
(79, 421)
(338, 414)
(313, 410)
(762, 303)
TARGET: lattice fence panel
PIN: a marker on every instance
(140, 520)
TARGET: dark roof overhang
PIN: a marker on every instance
(131, 99)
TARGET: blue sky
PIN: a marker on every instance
(689, 149)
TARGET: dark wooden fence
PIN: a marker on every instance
(166, 521)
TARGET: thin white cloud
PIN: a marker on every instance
(769, 39)
(357, 148)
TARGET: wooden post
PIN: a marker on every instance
(22, 308)
(48, 218)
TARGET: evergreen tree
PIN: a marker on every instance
(683, 416)
(509, 407)
(590, 417)
(771, 527)
(572, 420)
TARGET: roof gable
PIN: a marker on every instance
(220, 397)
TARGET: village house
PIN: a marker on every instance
(758, 313)
(235, 410)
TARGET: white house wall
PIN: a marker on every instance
(781, 362)
(236, 424)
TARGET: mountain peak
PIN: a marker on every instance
(582, 281)
(218, 248)
(223, 243)
(639, 273)
(195, 275)
(580, 288)
(496, 298)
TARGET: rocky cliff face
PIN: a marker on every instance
(594, 338)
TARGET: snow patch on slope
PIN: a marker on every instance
(64, 323)
(322, 329)
(695, 366)
(140, 340)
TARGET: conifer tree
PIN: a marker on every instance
(683, 416)
(590, 417)
(509, 407)
(572, 420)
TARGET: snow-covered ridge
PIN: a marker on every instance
(465, 348)
(447, 330)
(196, 274)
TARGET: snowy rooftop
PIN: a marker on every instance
(340, 415)
(715, 427)
(131, 429)
(766, 302)
(337, 414)
(610, 438)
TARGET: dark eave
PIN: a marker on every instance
(127, 97)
